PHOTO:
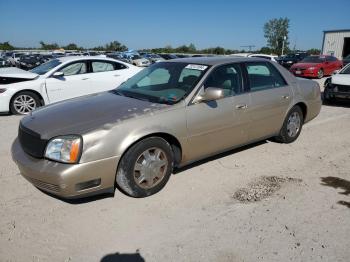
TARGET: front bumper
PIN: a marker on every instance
(330, 94)
(66, 180)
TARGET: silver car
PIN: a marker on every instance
(168, 115)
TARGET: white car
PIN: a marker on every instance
(268, 57)
(59, 79)
(337, 87)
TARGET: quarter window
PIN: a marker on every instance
(263, 76)
(227, 77)
(74, 69)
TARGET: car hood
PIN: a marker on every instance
(13, 72)
(305, 65)
(81, 115)
(341, 79)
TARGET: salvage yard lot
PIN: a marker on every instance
(197, 216)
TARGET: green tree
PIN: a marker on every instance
(6, 46)
(276, 32)
(115, 46)
(314, 51)
(266, 50)
(72, 46)
(46, 46)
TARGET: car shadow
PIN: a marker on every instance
(215, 157)
(128, 257)
(82, 200)
(338, 183)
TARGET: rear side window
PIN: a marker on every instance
(98, 66)
(263, 76)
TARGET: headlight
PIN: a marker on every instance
(312, 68)
(289, 62)
(335, 89)
(66, 149)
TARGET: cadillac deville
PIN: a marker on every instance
(166, 116)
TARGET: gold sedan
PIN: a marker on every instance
(166, 116)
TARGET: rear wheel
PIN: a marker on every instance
(24, 102)
(292, 126)
(145, 168)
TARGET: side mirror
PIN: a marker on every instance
(210, 94)
(58, 74)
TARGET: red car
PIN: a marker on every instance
(316, 66)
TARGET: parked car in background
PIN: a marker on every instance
(63, 78)
(267, 57)
(153, 58)
(292, 58)
(4, 62)
(168, 56)
(346, 60)
(168, 115)
(138, 60)
(14, 58)
(28, 62)
(337, 87)
(90, 53)
(316, 66)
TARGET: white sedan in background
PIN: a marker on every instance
(267, 57)
(59, 79)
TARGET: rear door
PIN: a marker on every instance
(107, 75)
(221, 124)
(270, 97)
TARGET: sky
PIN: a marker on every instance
(148, 24)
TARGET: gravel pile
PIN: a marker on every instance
(262, 188)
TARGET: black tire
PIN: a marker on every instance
(284, 136)
(320, 73)
(14, 110)
(125, 178)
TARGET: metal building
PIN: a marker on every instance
(336, 43)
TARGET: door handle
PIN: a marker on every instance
(285, 97)
(85, 78)
(116, 75)
(239, 107)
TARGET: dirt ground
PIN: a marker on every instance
(265, 202)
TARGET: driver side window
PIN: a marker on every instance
(74, 69)
(227, 77)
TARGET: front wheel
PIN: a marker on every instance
(292, 126)
(24, 102)
(145, 168)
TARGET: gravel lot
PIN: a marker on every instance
(297, 209)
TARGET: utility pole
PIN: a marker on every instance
(284, 39)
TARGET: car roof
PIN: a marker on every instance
(64, 59)
(216, 60)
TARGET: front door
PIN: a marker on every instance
(221, 124)
(75, 82)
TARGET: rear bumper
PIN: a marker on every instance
(66, 180)
(305, 73)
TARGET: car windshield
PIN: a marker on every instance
(164, 82)
(313, 59)
(46, 67)
(345, 70)
(347, 57)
